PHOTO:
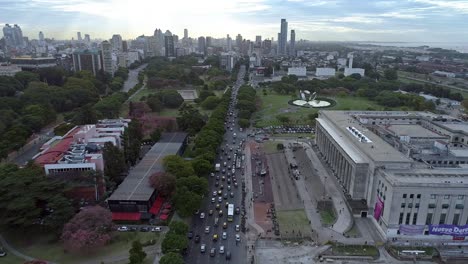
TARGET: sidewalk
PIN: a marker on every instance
(254, 229)
(345, 219)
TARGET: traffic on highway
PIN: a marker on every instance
(216, 232)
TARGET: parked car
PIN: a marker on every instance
(190, 235)
(156, 229)
(202, 248)
(197, 238)
(213, 252)
(207, 229)
(144, 229)
(122, 229)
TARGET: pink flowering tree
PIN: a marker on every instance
(88, 230)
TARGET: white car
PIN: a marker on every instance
(221, 249)
(156, 229)
(207, 229)
(224, 236)
(213, 200)
(122, 228)
(237, 228)
(237, 237)
(202, 215)
(202, 248)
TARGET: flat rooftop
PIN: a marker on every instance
(414, 131)
(437, 177)
(136, 185)
(457, 126)
(377, 150)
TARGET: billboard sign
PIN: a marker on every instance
(448, 230)
(411, 230)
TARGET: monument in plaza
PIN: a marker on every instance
(310, 100)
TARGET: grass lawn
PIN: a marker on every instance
(356, 250)
(274, 104)
(11, 259)
(354, 232)
(169, 112)
(293, 220)
(270, 146)
(43, 248)
(328, 217)
(143, 92)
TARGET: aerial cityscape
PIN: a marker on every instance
(233, 132)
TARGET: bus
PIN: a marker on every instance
(230, 216)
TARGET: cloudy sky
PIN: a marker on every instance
(344, 20)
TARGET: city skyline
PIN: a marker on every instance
(337, 20)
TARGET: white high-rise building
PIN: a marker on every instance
(78, 35)
(117, 42)
(106, 53)
(185, 33)
(41, 36)
(229, 43)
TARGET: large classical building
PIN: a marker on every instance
(409, 169)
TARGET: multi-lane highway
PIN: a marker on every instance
(223, 181)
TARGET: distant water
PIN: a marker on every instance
(458, 46)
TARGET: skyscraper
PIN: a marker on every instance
(209, 41)
(266, 46)
(124, 46)
(283, 40)
(78, 35)
(169, 45)
(202, 45)
(116, 42)
(87, 38)
(258, 41)
(292, 45)
(239, 41)
(106, 55)
(41, 36)
(13, 36)
(185, 33)
(229, 43)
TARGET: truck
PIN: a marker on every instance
(230, 216)
(217, 167)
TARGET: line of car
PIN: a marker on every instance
(226, 175)
(141, 229)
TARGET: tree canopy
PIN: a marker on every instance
(88, 230)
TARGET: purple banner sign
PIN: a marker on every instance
(412, 230)
(448, 230)
(379, 206)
